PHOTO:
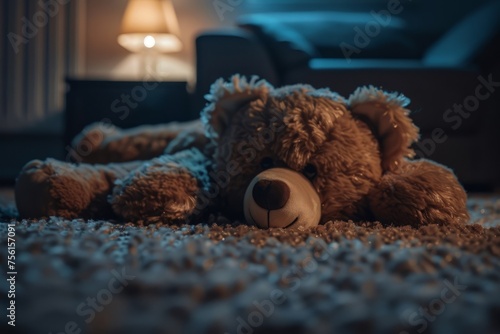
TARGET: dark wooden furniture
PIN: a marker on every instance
(124, 103)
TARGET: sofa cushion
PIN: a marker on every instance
(320, 34)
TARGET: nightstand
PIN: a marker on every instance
(124, 103)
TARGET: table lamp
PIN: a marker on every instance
(150, 26)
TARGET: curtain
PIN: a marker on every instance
(42, 44)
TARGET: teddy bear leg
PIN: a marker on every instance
(165, 188)
(104, 142)
(56, 188)
(419, 193)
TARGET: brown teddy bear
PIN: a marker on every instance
(286, 157)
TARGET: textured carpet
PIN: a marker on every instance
(104, 277)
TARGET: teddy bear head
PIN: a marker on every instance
(296, 156)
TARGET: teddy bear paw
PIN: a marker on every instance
(87, 145)
(419, 193)
(39, 192)
(159, 191)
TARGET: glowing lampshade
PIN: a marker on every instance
(150, 24)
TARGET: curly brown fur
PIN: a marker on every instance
(299, 125)
(357, 149)
(304, 129)
(387, 115)
(418, 193)
(166, 188)
(51, 187)
(104, 143)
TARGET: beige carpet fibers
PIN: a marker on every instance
(221, 277)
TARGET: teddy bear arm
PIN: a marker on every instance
(104, 143)
(419, 193)
(56, 188)
(166, 188)
(192, 137)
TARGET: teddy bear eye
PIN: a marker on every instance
(266, 163)
(309, 171)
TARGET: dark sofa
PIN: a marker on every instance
(451, 77)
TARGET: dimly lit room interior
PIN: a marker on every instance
(250, 166)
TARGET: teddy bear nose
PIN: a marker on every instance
(271, 194)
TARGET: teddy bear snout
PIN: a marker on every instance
(271, 194)
(281, 197)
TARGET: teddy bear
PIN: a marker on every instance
(289, 157)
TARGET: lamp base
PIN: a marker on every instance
(149, 63)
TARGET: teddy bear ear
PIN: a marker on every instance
(226, 98)
(389, 119)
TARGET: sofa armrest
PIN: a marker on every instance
(222, 53)
(467, 40)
